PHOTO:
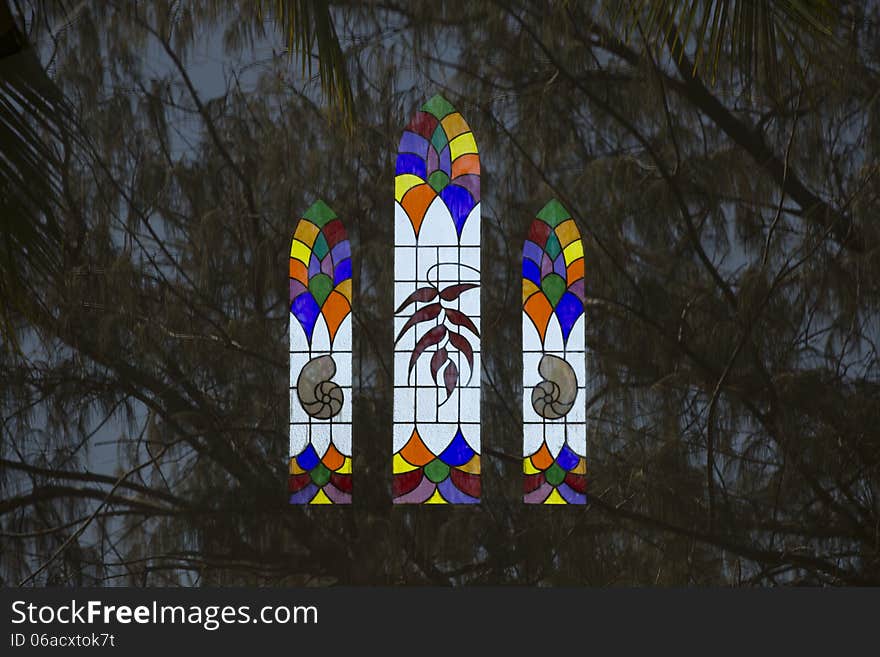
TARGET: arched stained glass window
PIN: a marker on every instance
(320, 360)
(554, 360)
(437, 316)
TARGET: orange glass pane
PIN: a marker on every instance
(333, 459)
(416, 452)
(335, 309)
(465, 164)
(575, 271)
(539, 310)
(542, 458)
(299, 272)
(416, 202)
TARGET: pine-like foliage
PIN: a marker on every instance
(733, 280)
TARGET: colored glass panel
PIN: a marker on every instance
(320, 360)
(554, 361)
(437, 319)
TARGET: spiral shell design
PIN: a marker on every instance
(554, 397)
(319, 396)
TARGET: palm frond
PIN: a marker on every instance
(307, 24)
(32, 112)
(760, 35)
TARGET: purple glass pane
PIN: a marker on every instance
(413, 143)
(454, 496)
(446, 162)
(538, 495)
(559, 265)
(433, 162)
(532, 251)
(570, 495)
(471, 183)
(419, 494)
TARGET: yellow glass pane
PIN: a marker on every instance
(454, 125)
(344, 288)
(306, 232)
(300, 251)
(528, 468)
(567, 232)
(345, 468)
(436, 498)
(573, 251)
(295, 469)
(555, 498)
(462, 145)
(400, 465)
(472, 466)
(529, 289)
(321, 498)
(405, 182)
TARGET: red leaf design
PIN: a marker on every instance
(437, 361)
(460, 319)
(422, 294)
(452, 292)
(450, 377)
(429, 339)
(460, 342)
(421, 315)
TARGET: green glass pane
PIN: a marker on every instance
(553, 248)
(438, 180)
(554, 213)
(553, 286)
(320, 286)
(320, 214)
(320, 474)
(554, 475)
(439, 139)
(436, 471)
(320, 248)
(438, 106)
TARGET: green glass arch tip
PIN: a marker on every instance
(438, 106)
(319, 213)
(554, 213)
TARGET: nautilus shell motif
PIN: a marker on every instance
(320, 360)
(319, 395)
(554, 360)
(553, 397)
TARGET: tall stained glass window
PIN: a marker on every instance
(554, 360)
(320, 360)
(437, 317)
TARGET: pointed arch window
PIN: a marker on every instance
(554, 360)
(320, 360)
(437, 310)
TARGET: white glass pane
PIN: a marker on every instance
(438, 228)
(403, 231)
(342, 438)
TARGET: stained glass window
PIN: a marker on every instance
(437, 317)
(320, 360)
(554, 360)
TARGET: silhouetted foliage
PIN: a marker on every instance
(733, 282)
